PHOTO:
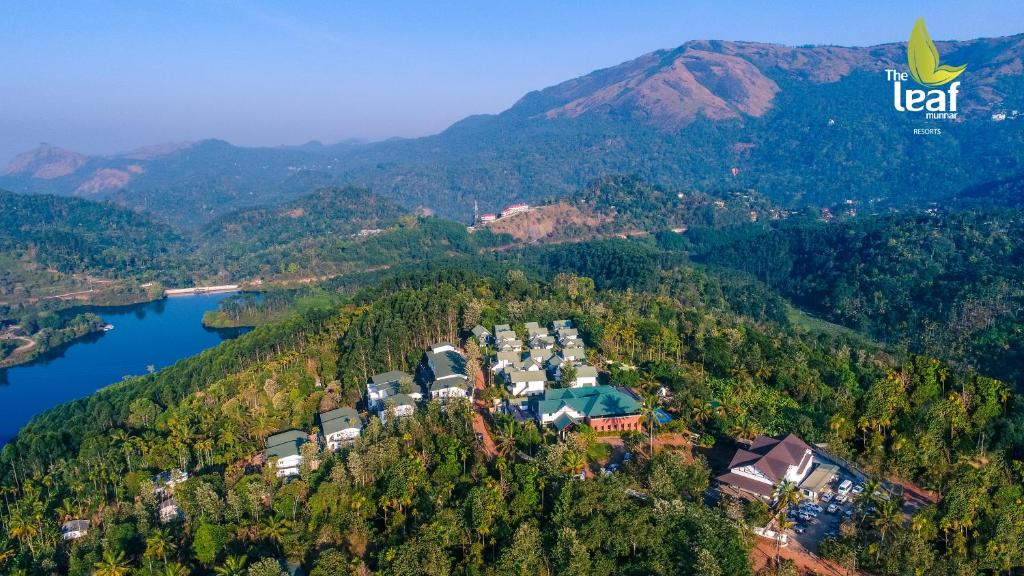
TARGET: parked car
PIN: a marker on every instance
(814, 507)
(832, 508)
(858, 489)
(806, 517)
(613, 467)
(848, 513)
(844, 487)
(800, 529)
(826, 497)
(842, 498)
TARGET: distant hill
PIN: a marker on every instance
(52, 247)
(800, 125)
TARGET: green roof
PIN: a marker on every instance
(339, 419)
(391, 378)
(563, 422)
(593, 402)
(447, 364)
(286, 443)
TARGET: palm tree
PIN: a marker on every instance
(649, 414)
(158, 545)
(886, 517)
(701, 411)
(175, 569)
(24, 528)
(786, 495)
(112, 565)
(506, 443)
(276, 529)
(573, 462)
(233, 566)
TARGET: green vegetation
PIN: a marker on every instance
(948, 284)
(45, 331)
(414, 497)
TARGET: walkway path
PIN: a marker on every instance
(479, 419)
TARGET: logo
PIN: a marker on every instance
(927, 71)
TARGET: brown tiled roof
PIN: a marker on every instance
(747, 484)
(743, 458)
(772, 456)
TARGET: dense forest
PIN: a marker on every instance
(415, 497)
(949, 283)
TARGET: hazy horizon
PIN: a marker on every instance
(108, 77)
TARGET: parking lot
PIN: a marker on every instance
(837, 505)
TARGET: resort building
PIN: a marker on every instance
(448, 376)
(604, 408)
(767, 463)
(286, 448)
(387, 384)
(340, 427)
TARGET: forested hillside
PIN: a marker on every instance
(950, 284)
(415, 497)
(53, 248)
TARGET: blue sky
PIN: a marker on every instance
(101, 77)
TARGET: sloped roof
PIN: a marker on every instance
(286, 443)
(593, 402)
(518, 376)
(340, 419)
(586, 371)
(748, 484)
(399, 400)
(772, 455)
(479, 331)
(385, 378)
(563, 421)
(574, 352)
(501, 328)
(541, 354)
(446, 364)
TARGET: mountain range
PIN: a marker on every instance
(800, 125)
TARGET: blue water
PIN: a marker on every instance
(158, 334)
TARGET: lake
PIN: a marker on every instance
(155, 334)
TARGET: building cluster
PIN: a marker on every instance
(530, 368)
(391, 394)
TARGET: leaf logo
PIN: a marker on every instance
(923, 59)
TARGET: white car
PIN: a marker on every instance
(842, 498)
(858, 489)
(826, 497)
(832, 508)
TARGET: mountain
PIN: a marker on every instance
(800, 125)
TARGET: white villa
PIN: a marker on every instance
(340, 426)
(286, 447)
(769, 461)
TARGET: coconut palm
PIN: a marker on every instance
(158, 545)
(886, 517)
(112, 565)
(276, 529)
(233, 566)
(506, 443)
(573, 462)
